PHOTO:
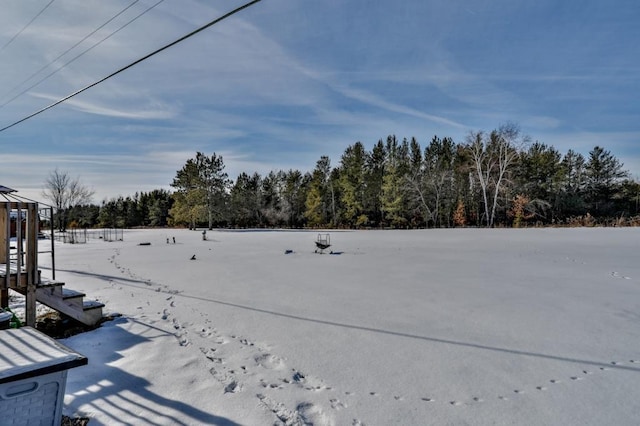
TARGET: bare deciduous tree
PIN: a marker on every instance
(493, 158)
(65, 192)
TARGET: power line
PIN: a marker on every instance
(81, 54)
(155, 52)
(60, 56)
(26, 26)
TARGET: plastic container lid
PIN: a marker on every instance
(5, 316)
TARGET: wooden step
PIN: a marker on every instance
(69, 302)
(73, 298)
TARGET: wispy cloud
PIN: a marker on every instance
(286, 82)
(151, 110)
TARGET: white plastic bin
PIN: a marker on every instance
(33, 377)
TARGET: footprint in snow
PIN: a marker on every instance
(265, 384)
(336, 404)
(205, 332)
(233, 387)
(617, 275)
(269, 362)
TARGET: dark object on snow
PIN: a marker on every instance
(298, 376)
(144, 244)
(337, 253)
(288, 251)
(75, 421)
(323, 242)
(5, 319)
(193, 257)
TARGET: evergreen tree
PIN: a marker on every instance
(245, 201)
(202, 184)
(539, 176)
(352, 185)
(293, 197)
(392, 195)
(271, 208)
(572, 187)
(374, 174)
(320, 202)
(604, 173)
(214, 182)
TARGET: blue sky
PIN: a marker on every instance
(284, 82)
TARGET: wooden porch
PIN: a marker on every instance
(19, 271)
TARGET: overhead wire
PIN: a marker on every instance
(60, 56)
(155, 52)
(26, 26)
(52, 73)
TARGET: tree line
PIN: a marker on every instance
(497, 178)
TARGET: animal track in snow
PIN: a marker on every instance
(232, 387)
(268, 361)
(245, 365)
(304, 414)
(336, 404)
(617, 275)
(205, 332)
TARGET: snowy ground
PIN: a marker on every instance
(478, 327)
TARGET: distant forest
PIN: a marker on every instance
(492, 179)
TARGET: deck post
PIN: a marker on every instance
(53, 246)
(5, 230)
(31, 263)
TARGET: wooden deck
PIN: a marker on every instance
(15, 279)
(19, 231)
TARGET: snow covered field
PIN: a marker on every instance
(434, 327)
